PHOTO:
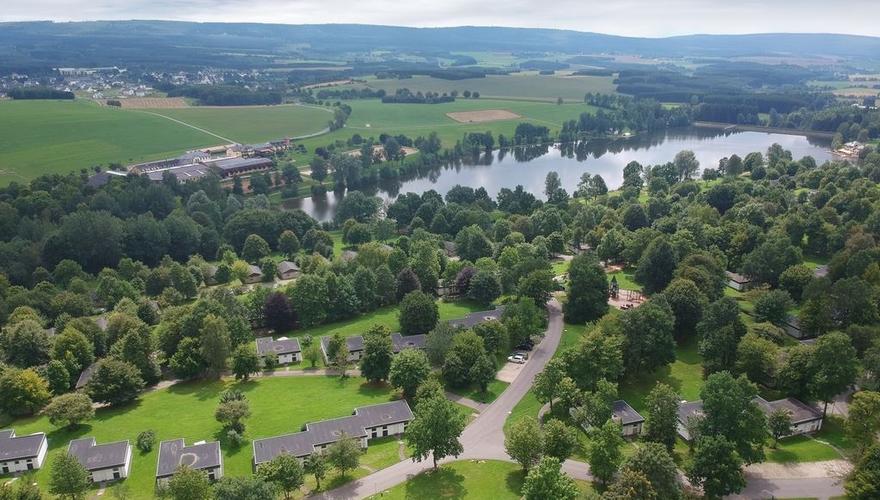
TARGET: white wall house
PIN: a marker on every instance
(105, 462)
(286, 350)
(354, 343)
(21, 453)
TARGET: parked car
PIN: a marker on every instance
(516, 358)
(522, 354)
(527, 345)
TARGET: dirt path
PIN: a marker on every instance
(175, 120)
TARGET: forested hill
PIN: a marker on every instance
(100, 43)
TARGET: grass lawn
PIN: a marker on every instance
(559, 267)
(626, 278)
(40, 137)
(685, 376)
(187, 411)
(495, 388)
(472, 479)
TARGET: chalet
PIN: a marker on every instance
(86, 376)
(630, 420)
(400, 342)
(820, 271)
(104, 462)
(792, 326)
(355, 345)
(255, 274)
(689, 415)
(366, 423)
(804, 418)
(474, 319)
(288, 270)
(287, 350)
(21, 453)
(200, 456)
(738, 282)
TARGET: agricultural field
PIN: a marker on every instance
(42, 137)
(187, 411)
(524, 85)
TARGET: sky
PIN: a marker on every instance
(652, 18)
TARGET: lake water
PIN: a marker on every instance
(529, 167)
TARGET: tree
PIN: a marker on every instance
(756, 357)
(231, 411)
(767, 262)
(720, 331)
(548, 481)
(657, 265)
(687, 302)
(187, 362)
(716, 467)
(598, 356)
(344, 454)
(376, 360)
(278, 313)
(547, 381)
(435, 429)
(773, 306)
(686, 164)
(482, 372)
(587, 297)
(729, 412)
(340, 359)
(537, 285)
(310, 299)
(603, 453)
(630, 485)
(115, 382)
(80, 349)
(25, 344)
(312, 354)
(68, 478)
(408, 370)
(438, 342)
(656, 464)
(835, 366)
(864, 481)
(255, 248)
(22, 392)
(662, 420)
(779, 424)
(560, 440)
(69, 410)
(285, 472)
(243, 488)
(288, 243)
(58, 377)
(189, 484)
(418, 313)
(245, 362)
(863, 421)
(796, 373)
(407, 281)
(358, 206)
(484, 287)
(649, 331)
(596, 406)
(471, 243)
(146, 440)
(795, 279)
(467, 348)
(524, 442)
(214, 341)
(316, 465)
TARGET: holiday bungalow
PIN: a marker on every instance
(104, 462)
(21, 453)
(738, 282)
(286, 350)
(288, 270)
(201, 456)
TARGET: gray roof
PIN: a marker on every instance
(14, 447)
(400, 342)
(86, 375)
(354, 343)
(174, 453)
(820, 271)
(348, 255)
(800, 412)
(689, 410)
(183, 173)
(94, 457)
(267, 345)
(324, 432)
(286, 265)
(624, 413)
(254, 270)
(739, 278)
(474, 319)
(237, 163)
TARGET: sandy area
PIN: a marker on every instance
(153, 102)
(828, 468)
(509, 371)
(486, 115)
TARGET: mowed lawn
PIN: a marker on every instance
(525, 85)
(279, 405)
(248, 124)
(472, 479)
(42, 137)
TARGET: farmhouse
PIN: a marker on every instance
(287, 350)
(474, 319)
(355, 345)
(804, 418)
(104, 462)
(201, 456)
(255, 274)
(738, 282)
(367, 422)
(288, 270)
(21, 453)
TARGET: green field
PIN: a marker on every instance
(525, 85)
(41, 137)
(187, 411)
(253, 123)
(472, 479)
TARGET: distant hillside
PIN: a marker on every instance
(165, 43)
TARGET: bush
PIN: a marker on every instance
(146, 440)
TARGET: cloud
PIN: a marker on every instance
(623, 17)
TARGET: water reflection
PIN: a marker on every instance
(607, 157)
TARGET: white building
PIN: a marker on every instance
(105, 462)
(287, 350)
(21, 453)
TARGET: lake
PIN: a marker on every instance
(529, 167)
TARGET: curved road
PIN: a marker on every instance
(484, 439)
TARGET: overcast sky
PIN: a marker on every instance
(623, 17)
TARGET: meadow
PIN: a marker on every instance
(524, 85)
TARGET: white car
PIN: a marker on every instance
(516, 358)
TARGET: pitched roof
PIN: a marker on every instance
(86, 375)
(93, 456)
(236, 163)
(354, 343)
(254, 270)
(689, 410)
(174, 453)
(298, 444)
(286, 265)
(624, 413)
(400, 342)
(14, 447)
(474, 319)
(738, 278)
(800, 412)
(820, 271)
(284, 345)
